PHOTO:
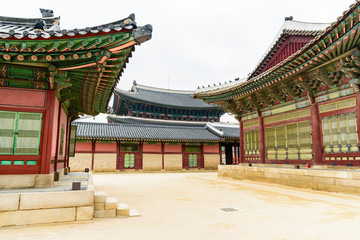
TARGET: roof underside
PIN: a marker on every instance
(83, 65)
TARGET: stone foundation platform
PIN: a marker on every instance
(323, 179)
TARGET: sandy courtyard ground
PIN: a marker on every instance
(188, 206)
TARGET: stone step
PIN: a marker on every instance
(111, 204)
(100, 197)
(123, 210)
(134, 213)
(104, 213)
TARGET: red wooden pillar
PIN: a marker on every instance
(241, 141)
(92, 153)
(262, 143)
(117, 155)
(68, 138)
(47, 133)
(57, 138)
(316, 134)
(140, 156)
(185, 166)
(162, 155)
(358, 113)
(201, 165)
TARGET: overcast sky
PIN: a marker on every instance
(195, 42)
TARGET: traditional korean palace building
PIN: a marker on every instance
(143, 135)
(48, 77)
(301, 103)
(156, 103)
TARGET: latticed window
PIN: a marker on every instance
(340, 133)
(129, 147)
(192, 160)
(291, 141)
(129, 160)
(252, 143)
(192, 149)
(20, 133)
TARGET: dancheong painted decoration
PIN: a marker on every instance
(82, 64)
(301, 103)
(48, 77)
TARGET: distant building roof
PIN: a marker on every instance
(164, 97)
(150, 129)
(115, 131)
(149, 121)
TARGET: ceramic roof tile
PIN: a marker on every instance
(146, 132)
(164, 97)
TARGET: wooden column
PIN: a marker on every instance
(316, 134)
(241, 141)
(68, 138)
(358, 113)
(162, 155)
(57, 138)
(262, 143)
(117, 155)
(92, 153)
(48, 123)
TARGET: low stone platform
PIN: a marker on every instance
(59, 203)
(323, 179)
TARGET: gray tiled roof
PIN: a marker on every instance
(146, 132)
(25, 27)
(230, 132)
(149, 121)
(165, 97)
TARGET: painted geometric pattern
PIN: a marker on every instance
(289, 142)
(340, 133)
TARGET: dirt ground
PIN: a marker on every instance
(188, 206)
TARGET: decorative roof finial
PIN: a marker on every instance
(46, 13)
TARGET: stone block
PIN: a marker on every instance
(300, 178)
(294, 171)
(9, 201)
(26, 217)
(56, 199)
(111, 203)
(123, 210)
(152, 162)
(99, 206)
(348, 182)
(44, 180)
(105, 213)
(324, 180)
(354, 175)
(17, 181)
(134, 213)
(100, 197)
(321, 173)
(84, 213)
